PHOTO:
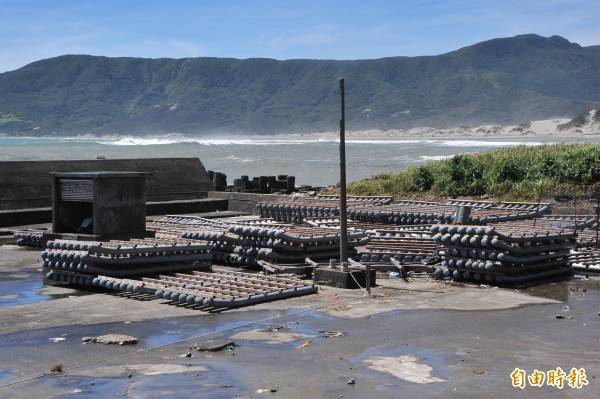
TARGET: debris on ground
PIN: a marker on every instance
(213, 345)
(340, 308)
(261, 390)
(560, 316)
(275, 328)
(111, 339)
(304, 345)
(333, 334)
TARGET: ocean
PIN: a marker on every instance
(313, 161)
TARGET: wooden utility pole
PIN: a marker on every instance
(343, 219)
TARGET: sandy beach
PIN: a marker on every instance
(551, 130)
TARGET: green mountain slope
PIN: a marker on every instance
(510, 80)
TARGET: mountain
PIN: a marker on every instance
(502, 81)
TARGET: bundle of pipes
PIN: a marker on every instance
(221, 241)
(197, 230)
(420, 212)
(264, 223)
(586, 226)
(403, 213)
(30, 238)
(228, 247)
(411, 243)
(76, 261)
(219, 288)
(371, 228)
(585, 260)
(296, 210)
(504, 254)
(291, 244)
(371, 199)
(177, 220)
(589, 237)
(498, 214)
(402, 246)
(588, 230)
(526, 206)
(472, 203)
(200, 230)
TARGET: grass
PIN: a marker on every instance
(509, 174)
(56, 367)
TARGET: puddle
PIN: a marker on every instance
(172, 331)
(150, 333)
(271, 337)
(81, 387)
(317, 315)
(190, 381)
(151, 380)
(566, 290)
(27, 291)
(21, 292)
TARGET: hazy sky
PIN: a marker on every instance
(283, 29)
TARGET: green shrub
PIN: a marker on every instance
(418, 179)
(511, 174)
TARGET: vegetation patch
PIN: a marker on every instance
(510, 174)
(6, 118)
(56, 367)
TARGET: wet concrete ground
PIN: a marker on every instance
(465, 339)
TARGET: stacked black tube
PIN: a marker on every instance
(371, 199)
(500, 214)
(222, 242)
(296, 212)
(504, 254)
(403, 214)
(283, 245)
(403, 246)
(298, 209)
(427, 213)
(78, 262)
(219, 288)
(586, 260)
(30, 238)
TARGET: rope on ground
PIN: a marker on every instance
(359, 286)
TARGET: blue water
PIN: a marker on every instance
(21, 292)
(312, 161)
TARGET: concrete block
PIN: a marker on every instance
(340, 279)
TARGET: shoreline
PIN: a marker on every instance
(361, 136)
(544, 131)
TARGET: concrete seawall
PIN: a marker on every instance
(26, 184)
(177, 185)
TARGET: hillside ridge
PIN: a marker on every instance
(499, 81)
